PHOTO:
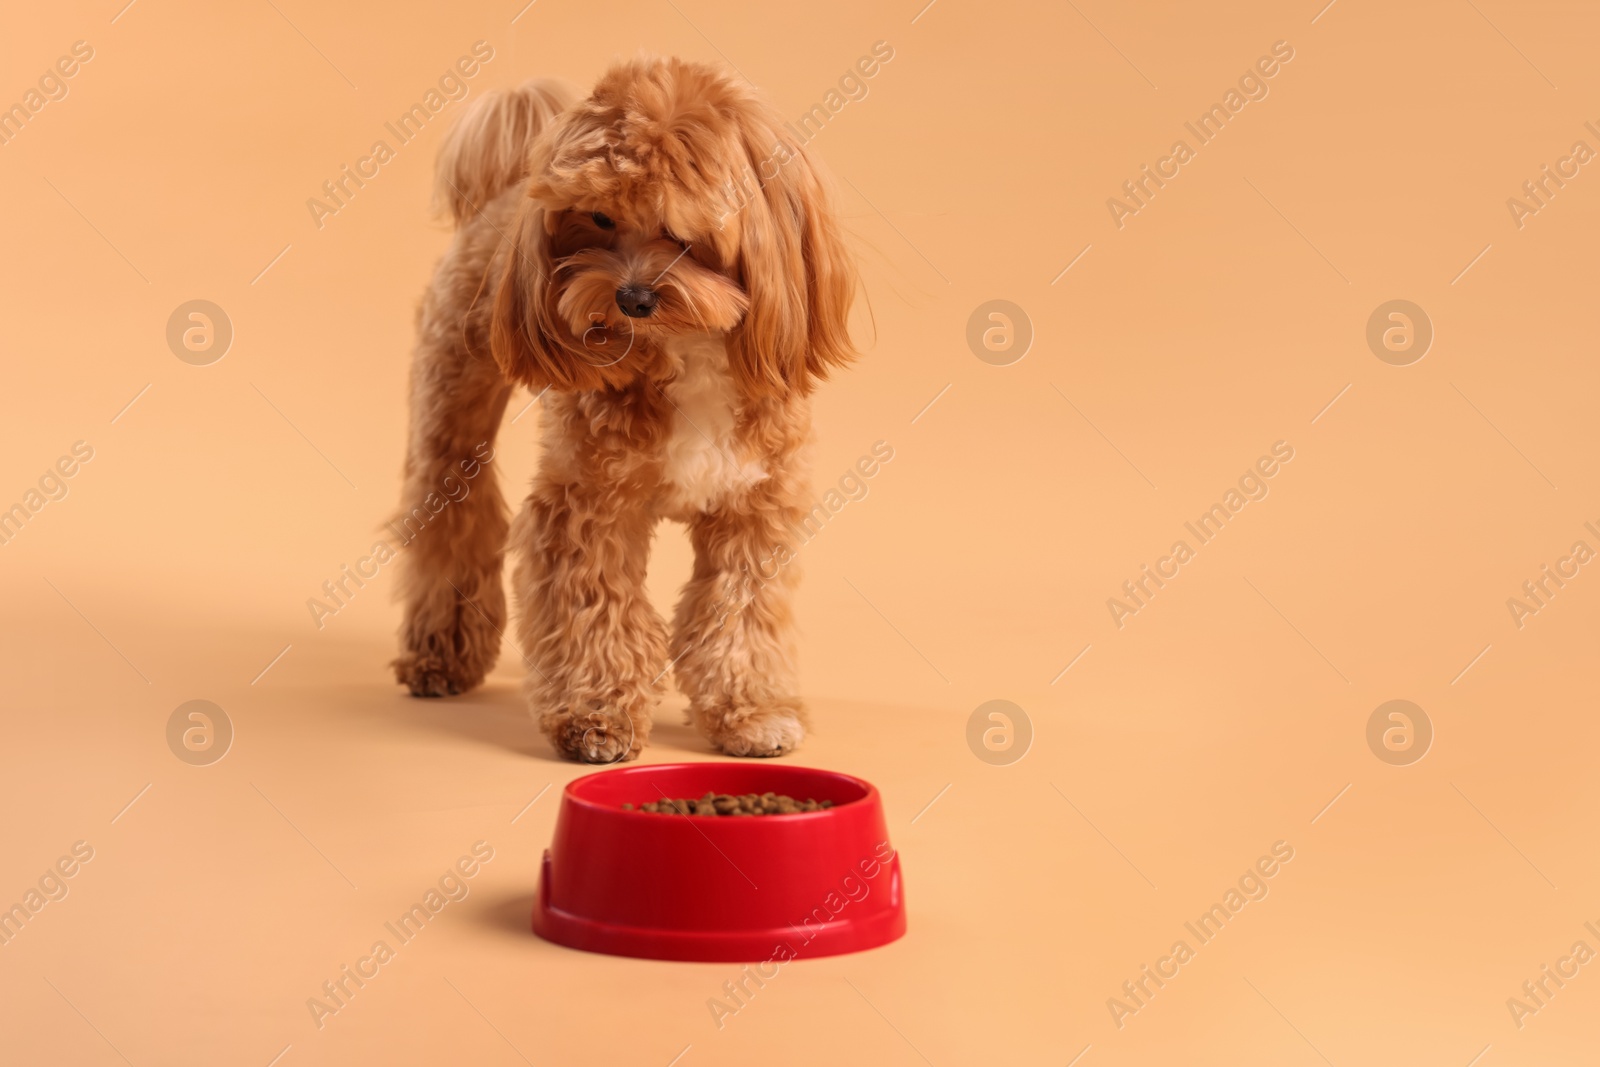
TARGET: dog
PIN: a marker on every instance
(660, 263)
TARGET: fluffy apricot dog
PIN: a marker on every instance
(659, 262)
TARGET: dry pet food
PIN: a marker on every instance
(727, 804)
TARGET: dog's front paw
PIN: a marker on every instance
(774, 729)
(597, 735)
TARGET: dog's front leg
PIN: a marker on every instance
(594, 646)
(733, 634)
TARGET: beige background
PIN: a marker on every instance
(1225, 316)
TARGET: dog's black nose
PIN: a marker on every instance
(636, 301)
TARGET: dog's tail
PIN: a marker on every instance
(486, 151)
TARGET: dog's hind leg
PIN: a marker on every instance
(452, 517)
(452, 522)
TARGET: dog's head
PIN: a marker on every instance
(672, 201)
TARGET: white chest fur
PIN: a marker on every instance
(702, 462)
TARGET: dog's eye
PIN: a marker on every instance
(602, 221)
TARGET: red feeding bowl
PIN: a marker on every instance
(719, 888)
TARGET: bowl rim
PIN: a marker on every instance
(569, 796)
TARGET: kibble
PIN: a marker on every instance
(731, 804)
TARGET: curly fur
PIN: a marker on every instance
(671, 176)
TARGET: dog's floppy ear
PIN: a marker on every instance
(522, 348)
(793, 263)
